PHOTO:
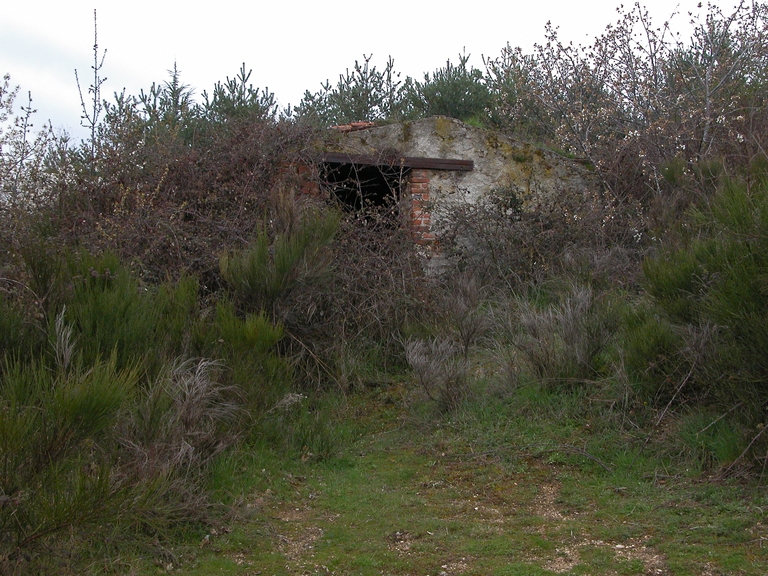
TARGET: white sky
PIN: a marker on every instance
(291, 47)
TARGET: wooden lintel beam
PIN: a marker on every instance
(399, 161)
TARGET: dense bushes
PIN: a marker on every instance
(168, 184)
(715, 288)
(91, 443)
(691, 344)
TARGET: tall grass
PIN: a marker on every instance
(441, 370)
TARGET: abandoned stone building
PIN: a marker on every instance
(433, 163)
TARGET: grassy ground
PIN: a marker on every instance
(498, 488)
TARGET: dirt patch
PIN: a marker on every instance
(544, 504)
(297, 541)
(401, 542)
(454, 568)
(566, 558)
(239, 558)
(293, 514)
(637, 549)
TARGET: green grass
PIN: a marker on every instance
(523, 481)
(485, 491)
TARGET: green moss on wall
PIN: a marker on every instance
(407, 132)
(444, 128)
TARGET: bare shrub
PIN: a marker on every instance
(169, 185)
(439, 369)
(378, 288)
(641, 97)
(507, 247)
(461, 309)
(26, 184)
(565, 341)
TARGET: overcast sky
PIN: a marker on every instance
(291, 47)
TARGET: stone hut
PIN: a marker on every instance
(434, 162)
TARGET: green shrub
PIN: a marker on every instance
(674, 283)
(710, 350)
(89, 445)
(651, 352)
(718, 285)
(363, 93)
(456, 90)
(270, 270)
(43, 270)
(248, 346)
(18, 334)
(112, 312)
(55, 436)
(254, 334)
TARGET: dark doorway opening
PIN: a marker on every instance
(364, 188)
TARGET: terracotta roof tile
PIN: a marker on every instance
(353, 126)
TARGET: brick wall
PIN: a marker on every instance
(421, 219)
